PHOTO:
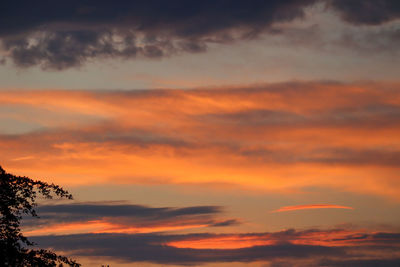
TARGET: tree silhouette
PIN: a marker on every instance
(18, 197)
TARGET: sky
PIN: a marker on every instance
(207, 133)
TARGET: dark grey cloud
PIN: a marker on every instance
(63, 34)
(154, 248)
(371, 262)
(128, 214)
(126, 210)
(361, 263)
(370, 12)
(225, 223)
(183, 18)
(64, 49)
(151, 248)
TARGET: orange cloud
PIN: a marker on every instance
(277, 137)
(329, 238)
(103, 226)
(223, 242)
(70, 228)
(312, 206)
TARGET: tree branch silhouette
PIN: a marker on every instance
(18, 197)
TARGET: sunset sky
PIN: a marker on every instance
(207, 133)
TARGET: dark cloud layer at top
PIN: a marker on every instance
(64, 34)
(182, 18)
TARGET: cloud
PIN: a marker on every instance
(361, 263)
(145, 249)
(369, 12)
(214, 136)
(114, 217)
(314, 247)
(225, 223)
(329, 238)
(63, 35)
(312, 206)
(93, 209)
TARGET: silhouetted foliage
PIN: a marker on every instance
(18, 197)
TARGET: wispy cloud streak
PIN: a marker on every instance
(311, 206)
